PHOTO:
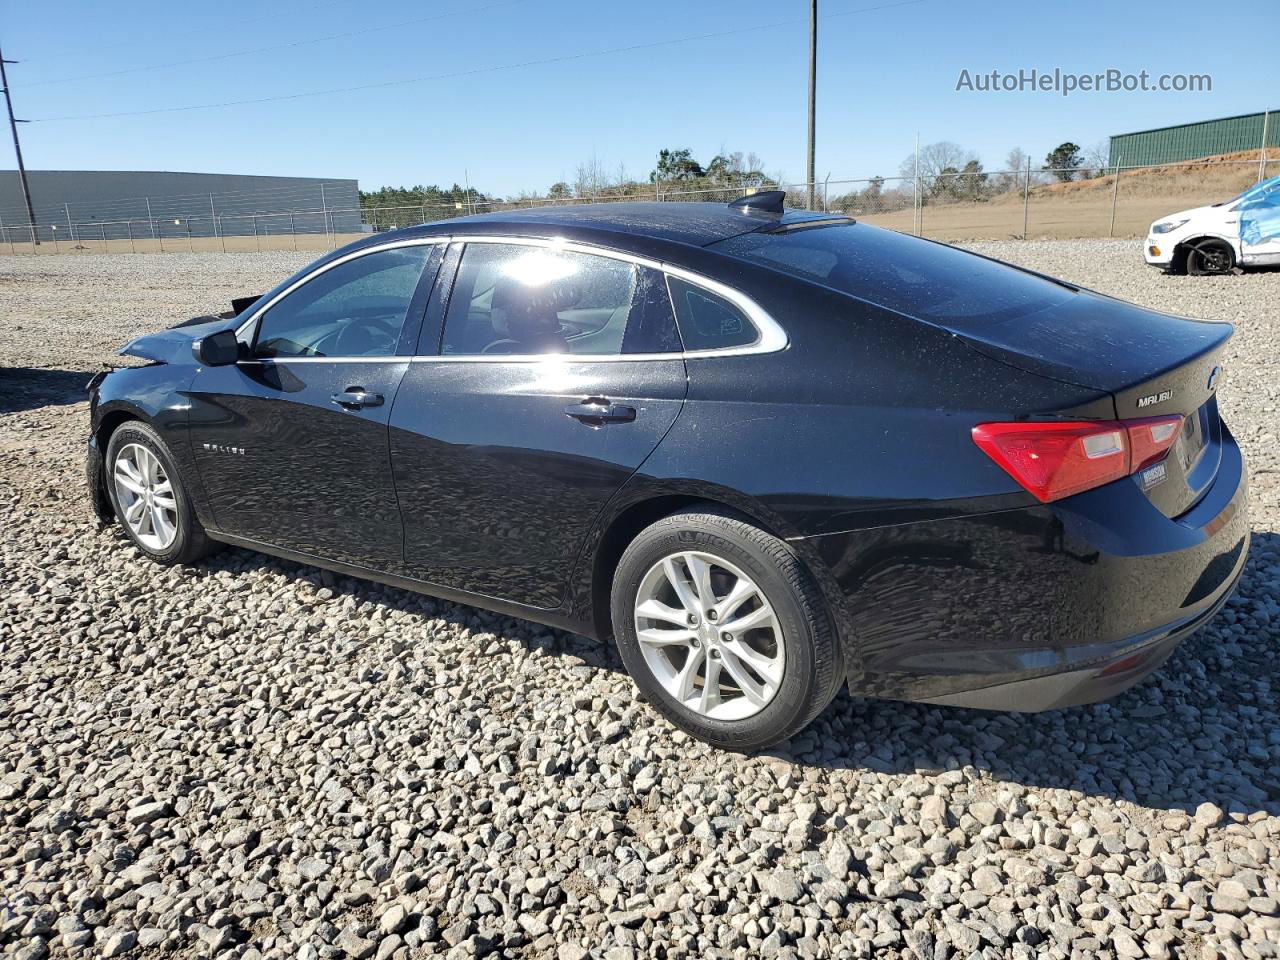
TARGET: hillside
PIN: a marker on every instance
(1085, 208)
(1221, 176)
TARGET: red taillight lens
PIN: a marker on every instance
(1150, 439)
(1056, 460)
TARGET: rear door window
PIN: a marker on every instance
(707, 320)
(520, 299)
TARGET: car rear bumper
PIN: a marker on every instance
(1130, 661)
(1041, 607)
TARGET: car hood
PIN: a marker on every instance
(1191, 214)
(174, 346)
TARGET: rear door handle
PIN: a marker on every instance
(597, 411)
(354, 398)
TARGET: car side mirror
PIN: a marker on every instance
(217, 349)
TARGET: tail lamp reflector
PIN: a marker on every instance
(1056, 460)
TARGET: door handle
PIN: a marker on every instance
(597, 411)
(354, 398)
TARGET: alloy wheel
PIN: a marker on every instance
(145, 494)
(709, 635)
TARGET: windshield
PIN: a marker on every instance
(929, 281)
(1258, 187)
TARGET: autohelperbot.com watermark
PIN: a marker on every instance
(1065, 82)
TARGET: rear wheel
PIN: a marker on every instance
(150, 499)
(724, 631)
(1210, 257)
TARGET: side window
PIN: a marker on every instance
(520, 299)
(355, 309)
(707, 320)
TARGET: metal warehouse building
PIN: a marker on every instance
(116, 203)
(1190, 141)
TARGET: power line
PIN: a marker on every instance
(239, 22)
(309, 8)
(275, 46)
(542, 61)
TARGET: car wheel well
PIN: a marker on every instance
(625, 528)
(110, 423)
(1178, 263)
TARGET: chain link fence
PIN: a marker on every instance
(949, 205)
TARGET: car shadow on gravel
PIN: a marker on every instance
(26, 388)
(548, 640)
(1204, 728)
(1196, 731)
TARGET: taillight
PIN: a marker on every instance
(1056, 460)
(1150, 440)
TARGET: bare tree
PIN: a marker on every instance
(591, 178)
(1014, 174)
(1098, 157)
(934, 159)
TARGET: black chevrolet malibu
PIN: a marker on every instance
(768, 453)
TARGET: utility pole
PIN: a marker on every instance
(1262, 155)
(17, 148)
(813, 86)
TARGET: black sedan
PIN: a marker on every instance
(768, 453)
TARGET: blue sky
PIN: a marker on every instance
(883, 75)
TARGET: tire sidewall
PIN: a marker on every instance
(800, 679)
(143, 435)
(1194, 270)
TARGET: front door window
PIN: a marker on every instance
(355, 309)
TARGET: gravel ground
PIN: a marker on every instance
(252, 759)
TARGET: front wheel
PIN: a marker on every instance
(724, 631)
(1210, 258)
(149, 497)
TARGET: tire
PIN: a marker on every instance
(791, 665)
(1210, 258)
(179, 538)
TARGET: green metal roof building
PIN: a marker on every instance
(1189, 141)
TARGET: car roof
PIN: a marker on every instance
(695, 224)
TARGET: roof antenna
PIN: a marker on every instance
(769, 201)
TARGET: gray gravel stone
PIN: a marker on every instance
(783, 885)
(988, 880)
(249, 759)
(119, 943)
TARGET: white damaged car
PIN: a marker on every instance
(1241, 232)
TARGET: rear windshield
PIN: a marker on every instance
(924, 280)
